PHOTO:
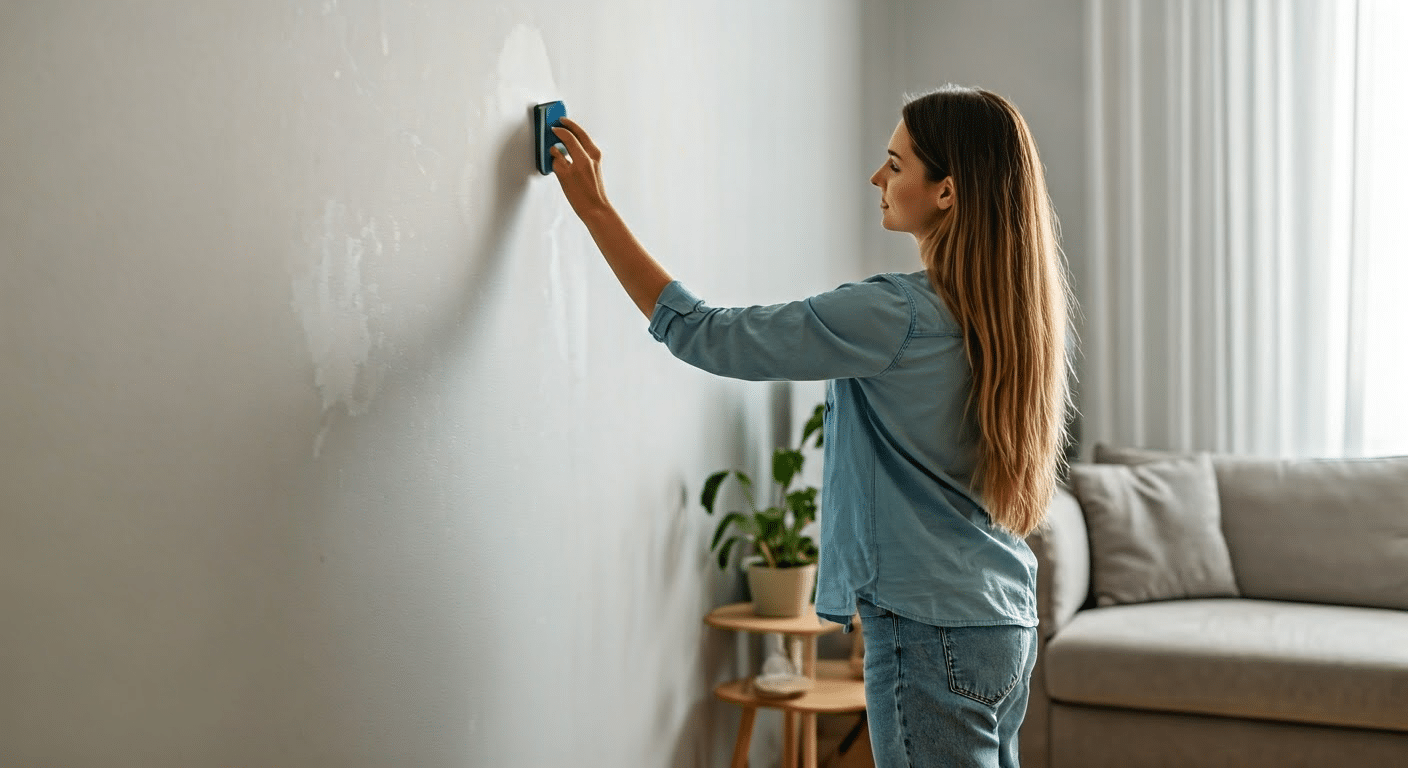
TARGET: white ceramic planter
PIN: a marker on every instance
(781, 592)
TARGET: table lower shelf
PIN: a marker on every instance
(828, 696)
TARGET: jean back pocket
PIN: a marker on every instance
(986, 663)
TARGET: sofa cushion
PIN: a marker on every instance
(1319, 530)
(1298, 662)
(1154, 531)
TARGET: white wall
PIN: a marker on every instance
(327, 438)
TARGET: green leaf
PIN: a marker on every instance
(747, 483)
(788, 542)
(815, 424)
(723, 553)
(803, 504)
(732, 517)
(770, 525)
(711, 490)
(709, 495)
(786, 463)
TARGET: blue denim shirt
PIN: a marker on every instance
(900, 526)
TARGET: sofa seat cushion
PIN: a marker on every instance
(1237, 657)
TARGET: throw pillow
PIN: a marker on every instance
(1155, 530)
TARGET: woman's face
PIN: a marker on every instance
(908, 200)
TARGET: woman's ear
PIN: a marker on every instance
(945, 193)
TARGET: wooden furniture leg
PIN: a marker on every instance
(745, 736)
(789, 740)
(808, 734)
(809, 740)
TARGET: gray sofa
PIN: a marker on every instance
(1299, 657)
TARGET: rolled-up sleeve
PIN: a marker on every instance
(858, 330)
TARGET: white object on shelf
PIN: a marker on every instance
(782, 685)
(782, 676)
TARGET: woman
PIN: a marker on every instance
(946, 401)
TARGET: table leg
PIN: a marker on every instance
(789, 740)
(745, 735)
(809, 740)
(808, 655)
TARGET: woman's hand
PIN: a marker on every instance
(580, 175)
(641, 276)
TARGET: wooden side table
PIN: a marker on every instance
(836, 690)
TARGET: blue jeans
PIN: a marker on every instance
(944, 696)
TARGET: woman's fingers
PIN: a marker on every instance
(577, 171)
(569, 140)
(577, 130)
(560, 162)
(577, 165)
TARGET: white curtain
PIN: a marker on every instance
(1378, 413)
(1224, 292)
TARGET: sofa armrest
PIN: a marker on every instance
(1062, 549)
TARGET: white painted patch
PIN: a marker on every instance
(557, 294)
(524, 72)
(566, 289)
(340, 311)
(523, 77)
(583, 258)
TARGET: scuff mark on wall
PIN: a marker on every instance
(341, 312)
(342, 26)
(418, 147)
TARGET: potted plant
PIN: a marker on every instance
(783, 582)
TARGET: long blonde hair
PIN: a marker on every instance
(994, 259)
